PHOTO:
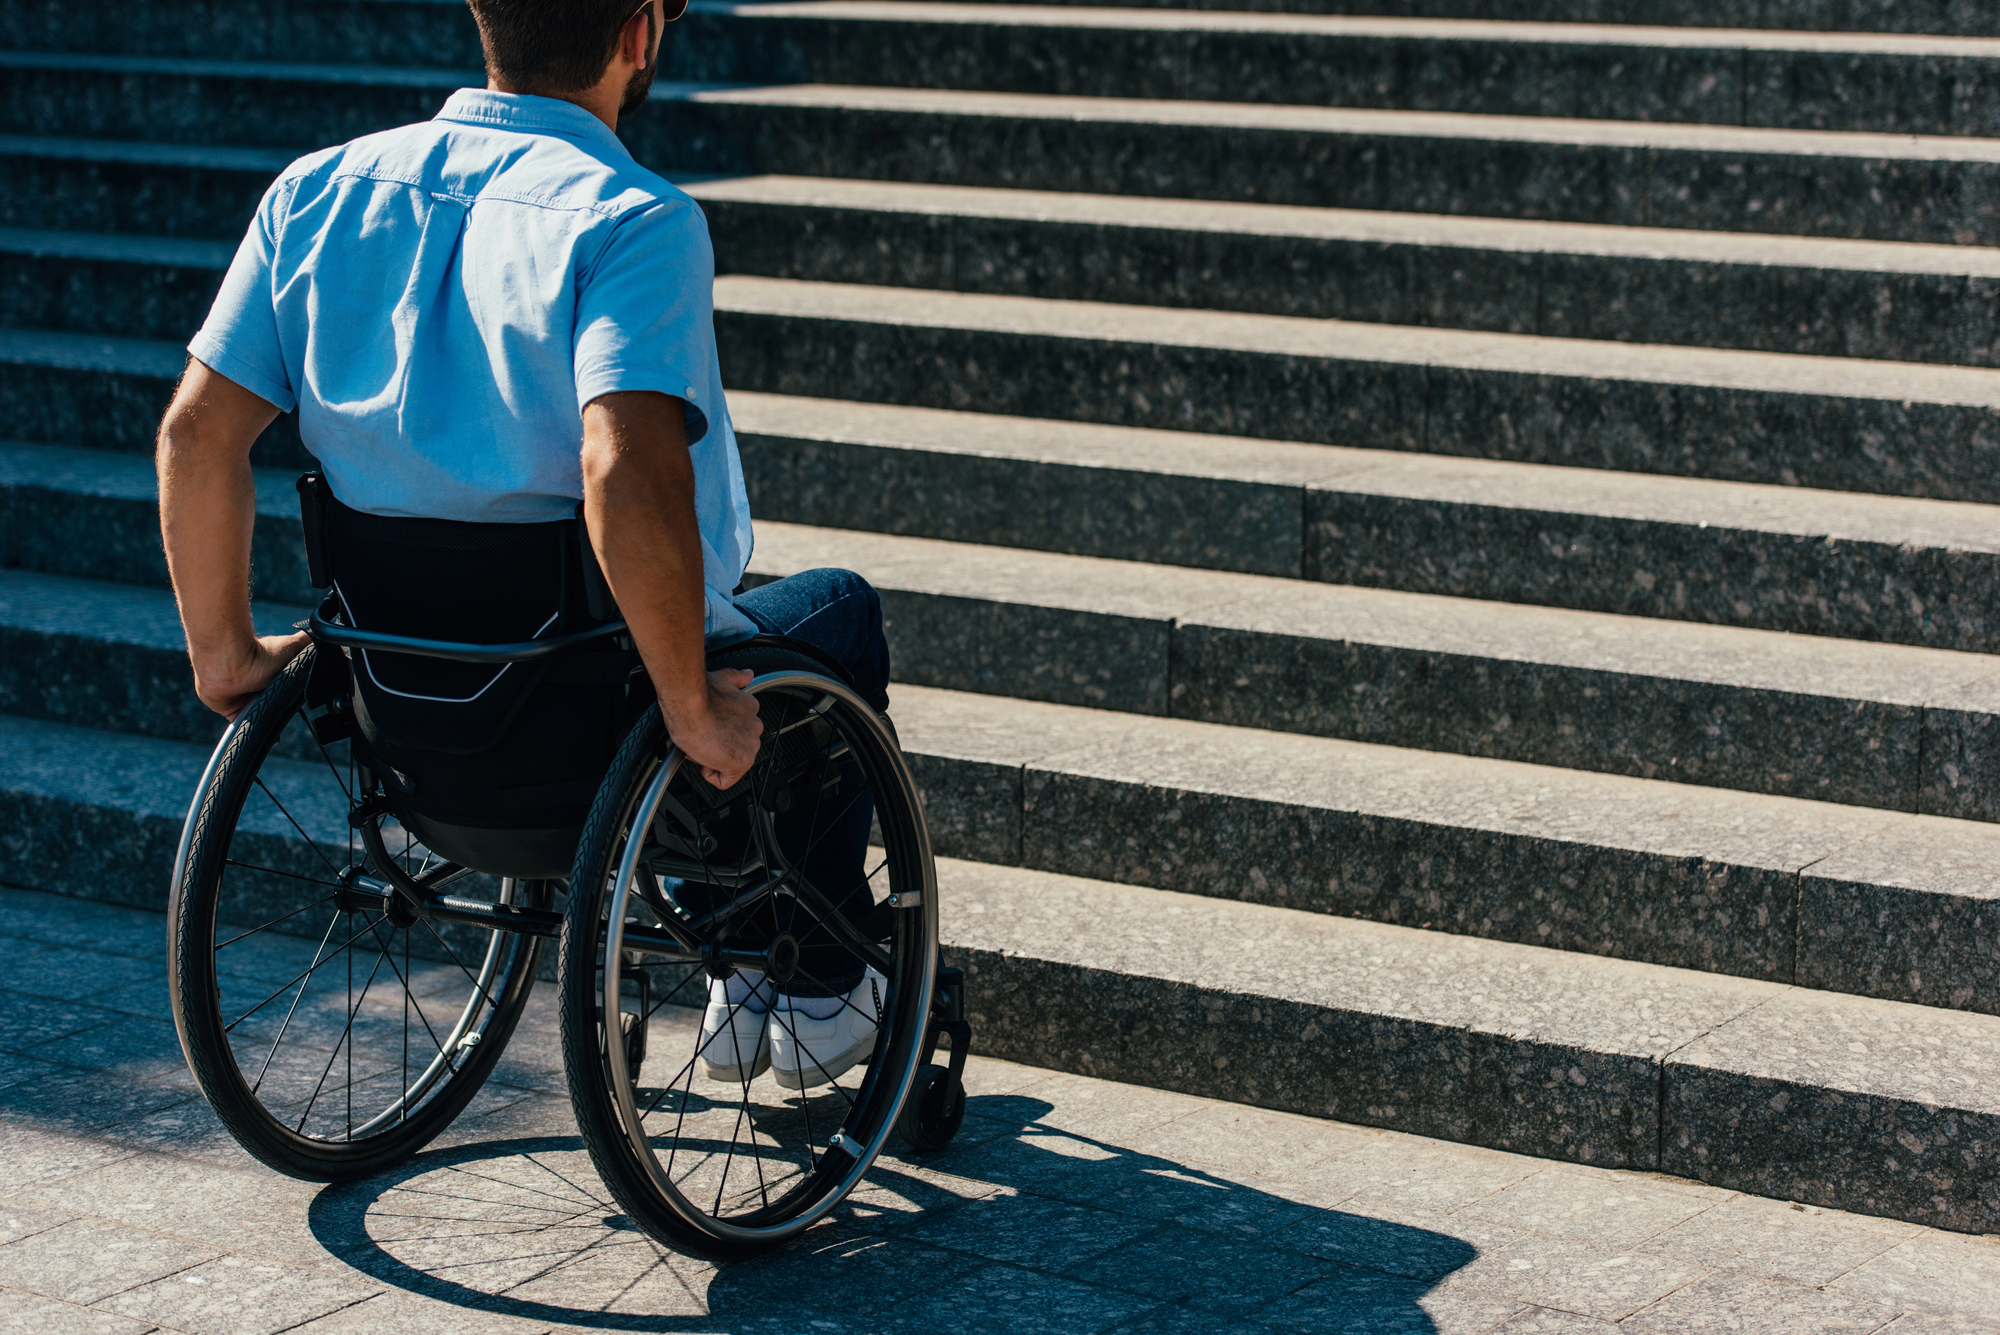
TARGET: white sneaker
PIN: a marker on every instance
(735, 1036)
(807, 1053)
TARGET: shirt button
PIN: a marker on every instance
(690, 392)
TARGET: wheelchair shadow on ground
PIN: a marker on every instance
(521, 1228)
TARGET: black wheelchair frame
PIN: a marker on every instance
(654, 826)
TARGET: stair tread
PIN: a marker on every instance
(1520, 993)
(1167, 19)
(1676, 1016)
(1556, 130)
(1749, 659)
(1649, 815)
(1284, 335)
(144, 151)
(1303, 222)
(1802, 511)
(140, 249)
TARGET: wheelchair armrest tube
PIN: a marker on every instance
(375, 641)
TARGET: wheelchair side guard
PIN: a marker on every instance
(935, 1108)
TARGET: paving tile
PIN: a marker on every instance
(1937, 1273)
(1050, 1163)
(1426, 1174)
(987, 1077)
(70, 973)
(631, 1277)
(1251, 1140)
(27, 1314)
(34, 1156)
(129, 1046)
(1924, 1323)
(252, 1210)
(1020, 1302)
(844, 1271)
(1603, 1208)
(1741, 1305)
(15, 1068)
(1100, 1110)
(70, 1100)
(1173, 1319)
(1773, 1239)
(1366, 1302)
(416, 1314)
(237, 1295)
(1378, 1235)
(1576, 1277)
(1200, 1270)
(189, 1128)
(896, 1194)
(87, 1261)
(1216, 1200)
(19, 1220)
(33, 1021)
(1030, 1231)
(1545, 1321)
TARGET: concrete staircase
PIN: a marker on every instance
(1444, 563)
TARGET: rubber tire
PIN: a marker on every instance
(933, 1112)
(196, 1000)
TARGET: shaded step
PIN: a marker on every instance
(1880, 300)
(1806, 1095)
(1803, 1095)
(1935, 85)
(98, 283)
(95, 515)
(181, 190)
(1847, 898)
(1815, 296)
(108, 393)
(1773, 558)
(111, 656)
(1687, 549)
(1874, 725)
(1885, 187)
(1727, 75)
(1851, 425)
(1967, 17)
(1841, 898)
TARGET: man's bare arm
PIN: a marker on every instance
(208, 512)
(638, 502)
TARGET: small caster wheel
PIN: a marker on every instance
(634, 1029)
(934, 1111)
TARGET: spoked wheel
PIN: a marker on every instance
(332, 1034)
(789, 954)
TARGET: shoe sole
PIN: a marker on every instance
(824, 1072)
(733, 1075)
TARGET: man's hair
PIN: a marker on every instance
(552, 46)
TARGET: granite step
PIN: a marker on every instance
(1819, 81)
(1885, 569)
(1823, 183)
(1687, 549)
(159, 190)
(1802, 1094)
(1848, 898)
(1842, 424)
(1836, 423)
(1728, 74)
(107, 393)
(1811, 296)
(1874, 725)
(1973, 18)
(1865, 725)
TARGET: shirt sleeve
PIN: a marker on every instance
(240, 337)
(645, 316)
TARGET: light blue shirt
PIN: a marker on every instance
(440, 301)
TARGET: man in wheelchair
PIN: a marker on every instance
(530, 521)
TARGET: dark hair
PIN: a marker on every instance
(554, 46)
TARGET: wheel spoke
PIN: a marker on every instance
(346, 1041)
(264, 927)
(303, 983)
(296, 826)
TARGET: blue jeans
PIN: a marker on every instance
(837, 612)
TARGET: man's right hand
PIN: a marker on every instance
(722, 733)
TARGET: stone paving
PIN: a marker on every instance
(1067, 1205)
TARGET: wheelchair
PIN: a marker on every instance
(385, 842)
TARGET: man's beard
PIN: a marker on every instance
(640, 84)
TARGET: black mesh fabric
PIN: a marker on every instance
(493, 766)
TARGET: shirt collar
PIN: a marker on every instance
(530, 114)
